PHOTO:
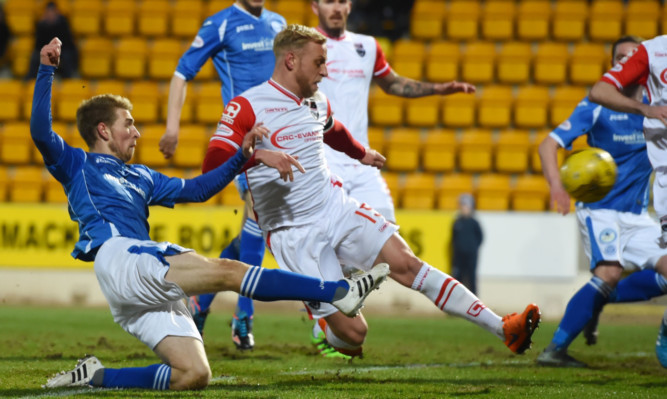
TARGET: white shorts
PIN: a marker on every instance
(131, 275)
(365, 184)
(348, 233)
(623, 237)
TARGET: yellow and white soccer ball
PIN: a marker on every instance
(589, 174)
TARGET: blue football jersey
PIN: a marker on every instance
(241, 46)
(621, 135)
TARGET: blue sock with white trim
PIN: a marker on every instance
(640, 286)
(155, 376)
(252, 253)
(275, 285)
(587, 301)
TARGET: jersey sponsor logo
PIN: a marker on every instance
(636, 137)
(284, 140)
(231, 111)
(245, 27)
(261, 45)
(360, 49)
(121, 185)
(663, 76)
(619, 66)
(660, 54)
(347, 73)
(198, 42)
(223, 130)
(607, 236)
(275, 109)
(566, 125)
(619, 117)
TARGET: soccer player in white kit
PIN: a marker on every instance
(646, 66)
(311, 225)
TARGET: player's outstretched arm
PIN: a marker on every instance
(548, 151)
(405, 87)
(177, 93)
(373, 158)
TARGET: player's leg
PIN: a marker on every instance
(659, 188)
(661, 343)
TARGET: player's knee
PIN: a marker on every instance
(196, 377)
(229, 272)
(609, 272)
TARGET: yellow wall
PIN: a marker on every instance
(44, 236)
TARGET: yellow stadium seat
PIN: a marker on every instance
(187, 111)
(463, 20)
(75, 140)
(385, 109)
(187, 17)
(535, 161)
(20, 50)
(442, 62)
(451, 187)
(563, 102)
(148, 151)
(163, 58)
(493, 192)
(422, 112)
(120, 17)
(531, 107)
(513, 64)
(550, 63)
(663, 21)
(11, 95)
(68, 97)
(419, 191)
(95, 58)
(512, 149)
(427, 19)
(458, 110)
(16, 146)
(478, 62)
(192, 143)
(294, 11)
(110, 86)
(208, 105)
(494, 108)
(569, 20)
(402, 150)
(376, 138)
(20, 16)
(130, 58)
(605, 21)
(579, 143)
(475, 151)
(153, 18)
(392, 180)
(26, 184)
(587, 63)
(4, 183)
(54, 192)
(385, 46)
(26, 104)
(439, 151)
(85, 17)
(408, 58)
(641, 18)
(533, 20)
(530, 193)
(207, 72)
(215, 6)
(230, 197)
(146, 100)
(498, 20)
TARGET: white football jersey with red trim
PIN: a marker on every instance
(353, 60)
(297, 128)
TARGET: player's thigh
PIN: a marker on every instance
(368, 186)
(600, 234)
(197, 274)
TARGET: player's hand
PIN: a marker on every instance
(373, 158)
(560, 200)
(656, 112)
(281, 161)
(168, 143)
(50, 54)
(258, 132)
(454, 87)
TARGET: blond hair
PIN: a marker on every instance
(294, 37)
(98, 109)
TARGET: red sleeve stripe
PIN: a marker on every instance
(609, 78)
(382, 72)
(226, 140)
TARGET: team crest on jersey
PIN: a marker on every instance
(313, 109)
(360, 49)
(607, 235)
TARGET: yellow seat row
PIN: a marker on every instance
(529, 107)
(536, 20)
(493, 192)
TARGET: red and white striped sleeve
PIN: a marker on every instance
(631, 70)
(381, 67)
(237, 120)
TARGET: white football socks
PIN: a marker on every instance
(454, 298)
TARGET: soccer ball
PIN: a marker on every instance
(589, 174)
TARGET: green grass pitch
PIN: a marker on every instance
(405, 357)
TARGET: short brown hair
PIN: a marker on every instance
(625, 39)
(294, 37)
(98, 109)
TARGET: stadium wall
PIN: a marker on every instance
(525, 256)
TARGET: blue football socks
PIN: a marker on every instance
(252, 253)
(274, 285)
(587, 301)
(155, 376)
(640, 286)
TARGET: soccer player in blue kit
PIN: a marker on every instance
(239, 40)
(145, 281)
(617, 231)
